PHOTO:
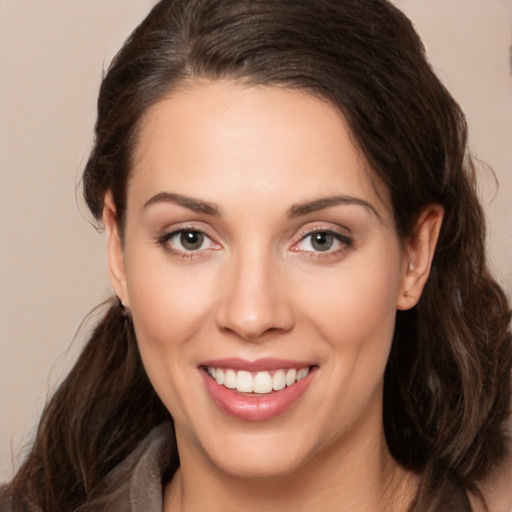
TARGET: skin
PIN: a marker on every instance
(258, 288)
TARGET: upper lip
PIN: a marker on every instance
(258, 365)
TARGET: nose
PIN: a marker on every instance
(256, 302)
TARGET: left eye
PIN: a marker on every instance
(321, 241)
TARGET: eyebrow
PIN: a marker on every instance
(296, 210)
(196, 205)
(326, 202)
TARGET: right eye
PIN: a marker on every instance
(187, 241)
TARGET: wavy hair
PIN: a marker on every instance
(447, 383)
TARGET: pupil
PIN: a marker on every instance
(322, 241)
(191, 240)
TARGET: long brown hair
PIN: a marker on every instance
(447, 384)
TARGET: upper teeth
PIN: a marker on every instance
(259, 382)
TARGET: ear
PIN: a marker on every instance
(115, 253)
(419, 253)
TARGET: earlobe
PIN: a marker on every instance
(419, 254)
(115, 254)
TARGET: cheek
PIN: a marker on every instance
(169, 307)
(169, 302)
(357, 301)
(354, 311)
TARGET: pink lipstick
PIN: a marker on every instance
(256, 390)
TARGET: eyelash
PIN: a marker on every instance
(344, 241)
(164, 241)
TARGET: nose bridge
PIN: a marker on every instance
(254, 302)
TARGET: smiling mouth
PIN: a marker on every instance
(262, 382)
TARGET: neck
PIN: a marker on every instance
(364, 478)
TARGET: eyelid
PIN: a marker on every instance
(165, 236)
(178, 227)
(321, 227)
(345, 240)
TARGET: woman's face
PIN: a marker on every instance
(263, 275)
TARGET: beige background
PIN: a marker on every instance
(52, 270)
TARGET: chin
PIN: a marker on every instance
(259, 455)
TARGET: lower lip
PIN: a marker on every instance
(255, 407)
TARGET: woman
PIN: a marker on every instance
(304, 317)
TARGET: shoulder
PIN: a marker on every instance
(497, 488)
(7, 504)
(136, 484)
(5, 501)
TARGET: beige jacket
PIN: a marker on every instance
(135, 485)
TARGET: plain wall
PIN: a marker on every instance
(52, 267)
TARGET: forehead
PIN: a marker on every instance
(220, 139)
